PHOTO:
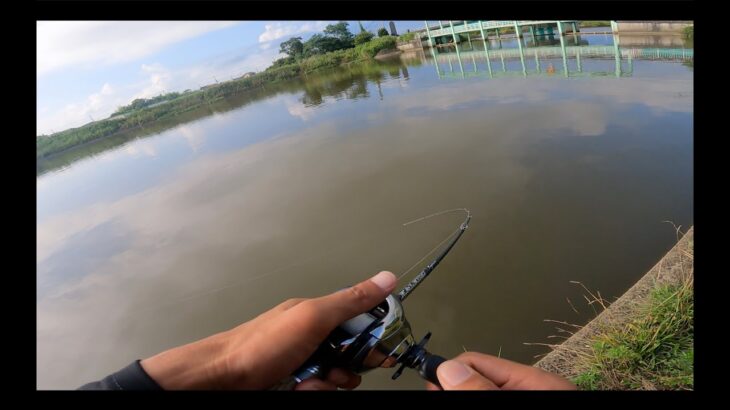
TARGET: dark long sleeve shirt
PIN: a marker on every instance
(132, 377)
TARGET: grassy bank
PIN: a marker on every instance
(655, 350)
(596, 23)
(642, 341)
(134, 118)
(337, 58)
(407, 37)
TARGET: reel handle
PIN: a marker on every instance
(427, 369)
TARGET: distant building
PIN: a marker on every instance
(392, 29)
(249, 74)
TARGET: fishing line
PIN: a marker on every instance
(429, 252)
(403, 293)
(311, 258)
(423, 218)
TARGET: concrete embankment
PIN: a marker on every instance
(564, 358)
(652, 27)
(412, 45)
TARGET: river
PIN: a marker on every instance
(167, 234)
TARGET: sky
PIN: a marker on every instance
(87, 69)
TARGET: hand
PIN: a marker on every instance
(477, 371)
(260, 353)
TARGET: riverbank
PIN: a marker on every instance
(594, 23)
(48, 146)
(643, 340)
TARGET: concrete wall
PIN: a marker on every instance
(414, 44)
(652, 26)
(657, 40)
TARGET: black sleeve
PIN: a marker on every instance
(132, 377)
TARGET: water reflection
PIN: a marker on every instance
(547, 55)
(545, 50)
(341, 84)
(338, 84)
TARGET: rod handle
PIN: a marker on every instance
(427, 370)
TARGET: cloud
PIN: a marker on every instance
(160, 79)
(103, 103)
(97, 105)
(299, 110)
(143, 148)
(221, 69)
(96, 99)
(194, 135)
(63, 44)
(275, 31)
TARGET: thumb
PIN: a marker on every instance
(347, 303)
(454, 375)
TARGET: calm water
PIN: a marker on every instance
(194, 225)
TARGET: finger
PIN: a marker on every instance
(348, 303)
(455, 375)
(431, 386)
(343, 378)
(507, 374)
(315, 384)
(494, 368)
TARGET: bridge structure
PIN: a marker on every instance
(542, 66)
(454, 31)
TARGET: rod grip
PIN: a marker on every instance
(428, 368)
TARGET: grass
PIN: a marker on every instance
(407, 37)
(596, 23)
(643, 341)
(654, 350)
(688, 33)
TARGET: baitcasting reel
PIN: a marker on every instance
(379, 338)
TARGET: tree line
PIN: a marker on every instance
(334, 47)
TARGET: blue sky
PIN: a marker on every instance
(86, 69)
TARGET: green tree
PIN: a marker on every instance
(341, 33)
(382, 32)
(363, 37)
(319, 44)
(292, 47)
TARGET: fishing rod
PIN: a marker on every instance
(403, 294)
(381, 337)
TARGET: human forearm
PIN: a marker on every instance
(198, 365)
